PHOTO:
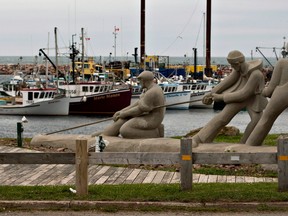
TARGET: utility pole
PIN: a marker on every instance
(208, 70)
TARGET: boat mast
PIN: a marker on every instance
(46, 60)
(142, 34)
(82, 69)
(56, 54)
(115, 40)
(72, 57)
(208, 70)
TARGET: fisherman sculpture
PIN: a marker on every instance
(276, 90)
(141, 119)
(241, 89)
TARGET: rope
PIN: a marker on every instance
(111, 118)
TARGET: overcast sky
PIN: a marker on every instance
(173, 27)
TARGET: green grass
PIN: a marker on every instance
(208, 192)
(270, 140)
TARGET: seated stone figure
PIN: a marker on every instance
(241, 89)
(276, 90)
(141, 119)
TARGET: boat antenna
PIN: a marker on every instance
(72, 57)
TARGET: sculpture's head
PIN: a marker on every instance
(235, 58)
(146, 78)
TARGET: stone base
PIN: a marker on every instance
(60, 140)
(117, 144)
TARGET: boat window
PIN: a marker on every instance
(96, 89)
(194, 87)
(91, 88)
(85, 88)
(50, 94)
(86, 65)
(30, 95)
(36, 95)
(42, 94)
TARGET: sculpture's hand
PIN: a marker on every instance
(264, 92)
(116, 116)
(207, 99)
(217, 97)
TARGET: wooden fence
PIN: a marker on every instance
(82, 158)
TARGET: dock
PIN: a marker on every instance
(62, 174)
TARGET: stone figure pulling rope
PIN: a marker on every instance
(141, 119)
(276, 90)
(241, 89)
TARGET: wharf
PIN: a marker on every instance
(52, 174)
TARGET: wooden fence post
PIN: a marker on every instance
(186, 164)
(282, 163)
(81, 167)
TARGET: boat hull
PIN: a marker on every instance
(178, 97)
(52, 107)
(181, 97)
(100, 104)
(196, 100)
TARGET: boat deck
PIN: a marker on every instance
(52, 174)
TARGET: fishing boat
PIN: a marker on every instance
(172, 91)
(35, 101)
(197, 91)
(96, 98)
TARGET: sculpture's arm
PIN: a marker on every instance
(275, 79)
(226, 83)
(252, 87)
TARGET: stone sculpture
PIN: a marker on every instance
(142, 119)
(276, 90)
(241, 89)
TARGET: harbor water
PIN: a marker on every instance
(176, 123)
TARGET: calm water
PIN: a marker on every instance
(176, 122)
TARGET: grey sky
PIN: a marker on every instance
(172, 27)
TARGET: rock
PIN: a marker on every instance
(227, 131)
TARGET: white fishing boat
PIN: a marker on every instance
(197, 91)
(173, 93)
(35, 101)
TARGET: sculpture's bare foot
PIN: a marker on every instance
(195, 141)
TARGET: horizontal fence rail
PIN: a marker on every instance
(82, 158)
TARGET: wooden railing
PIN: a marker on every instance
(82, 158)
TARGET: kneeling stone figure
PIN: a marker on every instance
(142, 119)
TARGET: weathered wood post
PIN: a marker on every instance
(282, 149)
(81, 167)
(186, 164)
